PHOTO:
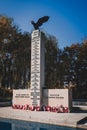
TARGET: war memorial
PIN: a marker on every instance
(36, 96)
(27, 101)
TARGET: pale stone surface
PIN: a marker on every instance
(64, 119)
(57, 97)
(51, 97)
(37, 67)
(21, 96)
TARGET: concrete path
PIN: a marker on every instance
(64, 119)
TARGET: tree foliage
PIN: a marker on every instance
(51, 51)
(73, 61)
(14, 55)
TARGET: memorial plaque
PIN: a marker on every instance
(57, 97)
(21, 96)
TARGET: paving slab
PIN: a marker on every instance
(62, 119)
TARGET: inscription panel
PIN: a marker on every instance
(57, 97)
(35, 68)
(21, 96)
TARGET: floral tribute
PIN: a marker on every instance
(58, 109)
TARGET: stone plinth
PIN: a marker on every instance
(57, 97)
(21, 96)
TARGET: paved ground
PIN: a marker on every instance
(64, 119)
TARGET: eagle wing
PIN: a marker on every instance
(42, 20)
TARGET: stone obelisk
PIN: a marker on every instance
(37, 67)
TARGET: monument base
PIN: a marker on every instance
(21, 96)
(56, 100)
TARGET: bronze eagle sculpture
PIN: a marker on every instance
(39, 22)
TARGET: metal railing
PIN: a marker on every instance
(82, 102)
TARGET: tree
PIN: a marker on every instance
(51, 50)
(73, 63)
(81, 69)
(14, 54)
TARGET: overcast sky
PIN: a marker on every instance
(68, 18)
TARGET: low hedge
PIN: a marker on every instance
(5, 94)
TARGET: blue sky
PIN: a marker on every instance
(68, 18)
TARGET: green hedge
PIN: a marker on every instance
(5, 94)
